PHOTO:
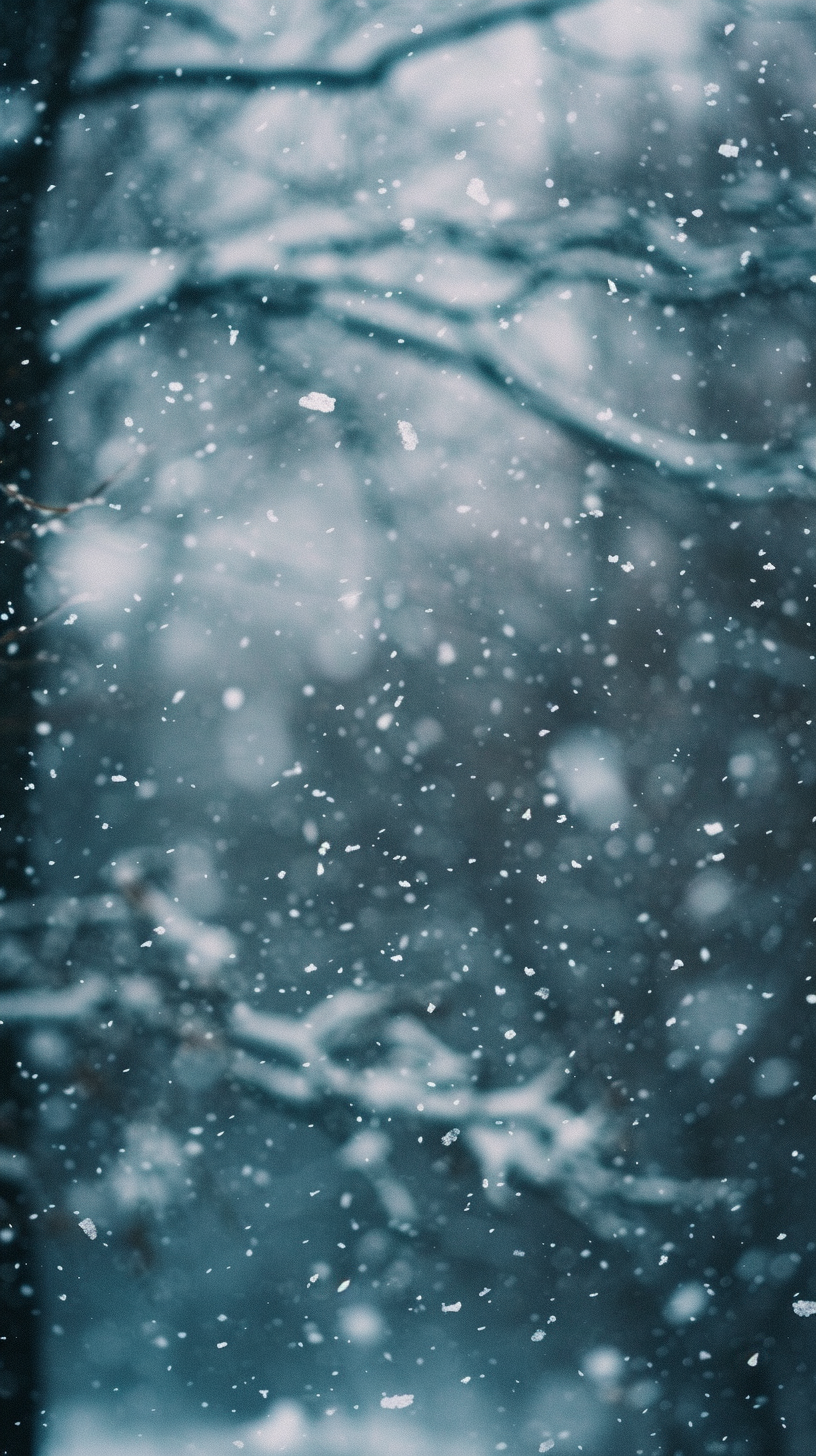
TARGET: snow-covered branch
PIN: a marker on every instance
(121, 282)
(166, 62)
(206, 947)
(70, 1004)
(746, 472)
(360, 1050)
(315, 251)
(515, 1133)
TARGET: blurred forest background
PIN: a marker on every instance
(408, 556)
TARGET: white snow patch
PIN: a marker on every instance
(88, 1227)
(396, 1402)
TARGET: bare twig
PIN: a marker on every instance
(26, 628)
(13, 493)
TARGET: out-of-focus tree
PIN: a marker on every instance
(422, 565)
(38, 51)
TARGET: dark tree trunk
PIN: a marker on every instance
(39, 49)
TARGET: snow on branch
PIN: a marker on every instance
(14, 634)
(121, 284)
(515, 1134)
(207, 947)
(313, 249)
(169, 64)
(70, 1004)
(594, 245)
(359, 1049)
(747, 472)
(96, 498)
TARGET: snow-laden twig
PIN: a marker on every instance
(70, 1004)
(357, 1049)
(315, 248)
(746, 472)
(207, 947)
(12, 634)
(96, 498)
(130, 281)
(123, 283)
(178, 69)
(515, 1134)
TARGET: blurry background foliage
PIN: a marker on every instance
(407, 741)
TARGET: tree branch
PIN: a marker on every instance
(178, 73)
(748, 472)
(358, 1048)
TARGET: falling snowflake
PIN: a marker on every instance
(476, 190)
(317, 401)
(408, 435)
